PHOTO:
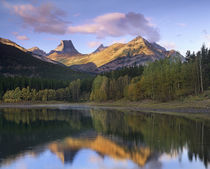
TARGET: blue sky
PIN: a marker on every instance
(182, 24)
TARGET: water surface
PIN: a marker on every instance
(93, 138)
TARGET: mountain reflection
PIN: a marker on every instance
(101, 145)
(145, 139)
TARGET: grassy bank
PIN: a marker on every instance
(196, 105)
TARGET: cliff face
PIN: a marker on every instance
(63, 51)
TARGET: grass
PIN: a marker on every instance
(195, 106)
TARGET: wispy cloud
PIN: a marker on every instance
(48, 18)
(20, 37)
(178, 35)
(76, 14)
(168, 45)
(93, 44)
(123, 40)
(43, 18)
(118, 24)
(182, 24)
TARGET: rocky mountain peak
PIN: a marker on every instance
(100, 48)
(66, 46)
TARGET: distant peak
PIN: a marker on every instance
(33, 48)
(100, 48)
(37, 51)
(139, 39)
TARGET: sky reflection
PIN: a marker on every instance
(90, 159)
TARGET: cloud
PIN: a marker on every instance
(123, 40)
(20, 37)
(44, 18)
(48, 18)
(76, 14)
(93, 44)
(168, 45)
(118, 24)
(182, 24)
(178, 35)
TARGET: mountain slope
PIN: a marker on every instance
(16, 62)
(11, 43)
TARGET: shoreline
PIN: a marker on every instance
(201, 107)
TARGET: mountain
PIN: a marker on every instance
(175, 54)
(14, 61)
(100, 48)
(136, 52)
(63, 51)
(40, 54)
(37, 51)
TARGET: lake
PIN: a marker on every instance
(96, 138)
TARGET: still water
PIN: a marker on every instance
(92, 138)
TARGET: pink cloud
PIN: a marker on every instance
(93, 44)
(43, 18)
(168, 45)
(20, 37)
(118, 24)
(182, 24)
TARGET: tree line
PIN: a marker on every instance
(11, 83)
(162, 80)
(166, 79)
(77, 90)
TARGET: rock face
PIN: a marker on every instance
(65, 47)
(64, 51)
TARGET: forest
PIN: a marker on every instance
(162, 80)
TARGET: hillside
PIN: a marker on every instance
(16, 62)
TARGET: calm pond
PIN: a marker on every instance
(93, 138)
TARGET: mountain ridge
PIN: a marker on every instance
(16, 62)
(138, 51)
